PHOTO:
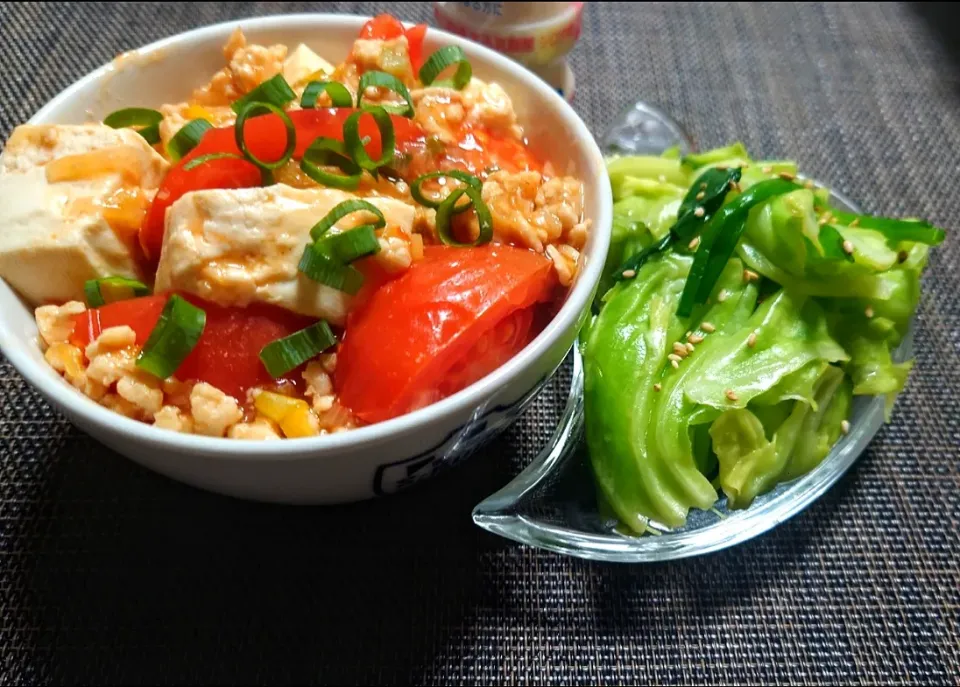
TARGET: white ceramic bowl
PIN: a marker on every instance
(372, 460)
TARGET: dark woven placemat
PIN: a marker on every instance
(111, 574)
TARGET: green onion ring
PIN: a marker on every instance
(343, 209)
(274, 91)
(176, 334)
(95, 299)
(465, 177)
(384, 80)
(144, 121)
(248, 111)
(320, 268)
(354, 146)
(209, 157)
(327, 151)
(339, 95)
(290, 352)
(445, 57)
(445, 216)
(187, 138)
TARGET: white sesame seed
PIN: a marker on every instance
(701, 195)
(629, 274)
(680, 349)
(708, 327)
(845, 427)
(687, 335)
(699, 212)
(690, 347)
(848, 247)
(750, 275)
(722, 296)
(766, 169)
(695, 338)
(731, 395)
(676, 365)
(673, 357)
(752, 339)
(694, 243)
(786, 176)
(868, 311)
(657, 387)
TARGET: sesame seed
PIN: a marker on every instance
(657, 387)
(662, 179)
(722, 296)
(676, 365)
(750, 275)
(695, 338)
(848, 247)
(731, 395)
(699, 212)
(707, 327)
(703, 185)
(674, 358)
(680, 349)
(855, 223)
(722, 168)
(687, 335)
(701, 195)
(868, 312)
(845, 427)
(752, 339)
(766, 169)
(822, 221)
(629, 274)
(786, 176)
(694, 243)
(690, 347)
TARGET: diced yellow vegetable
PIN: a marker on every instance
(65, 358)
(198, 112)
(292, 414)
(300, 423)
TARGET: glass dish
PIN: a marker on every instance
(552, 503)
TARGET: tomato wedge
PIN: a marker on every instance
(228, 352)
(266, 139)
(452, 318)
(386, 26)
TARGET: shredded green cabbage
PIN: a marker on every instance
(755, 385)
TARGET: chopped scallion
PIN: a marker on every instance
(339, 95)
(93, 289)
(389, 81)
(174, 336)
(253, 108)
(145, 121)
(343, 209)
(446, 57)
(275, 91)
(290, 352)
(448, 208)
(187, 138)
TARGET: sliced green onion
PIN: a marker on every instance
(632, 265)
(145, 121)
(250, 110)
(893, 229)
(448, 208)
(187, 138)
(339, 95)
(174, 336)
(329, 152)
(465, 177)
(384, 80)
(446, 57)
(320, 268)
(95, 298)
(720, 239)
(343, 209)
(275, 91)
(204, 159)
(354, 144)
(831, 240)
(349, 245)
(707, 193)
(290, 352)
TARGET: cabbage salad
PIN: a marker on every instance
(738, 316)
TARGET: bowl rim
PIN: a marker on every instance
(77, 405)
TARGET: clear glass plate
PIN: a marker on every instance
(552, 503)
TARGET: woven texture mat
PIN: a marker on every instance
(111, 574)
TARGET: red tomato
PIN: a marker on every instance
(385, 27)
(228, 352)
(140, 314)
(265, 137)
(382, 27)
(450, 319)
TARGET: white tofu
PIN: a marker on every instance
(239, 246)
(303, 63)
(53, 235)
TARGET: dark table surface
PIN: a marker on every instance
(109, 573)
